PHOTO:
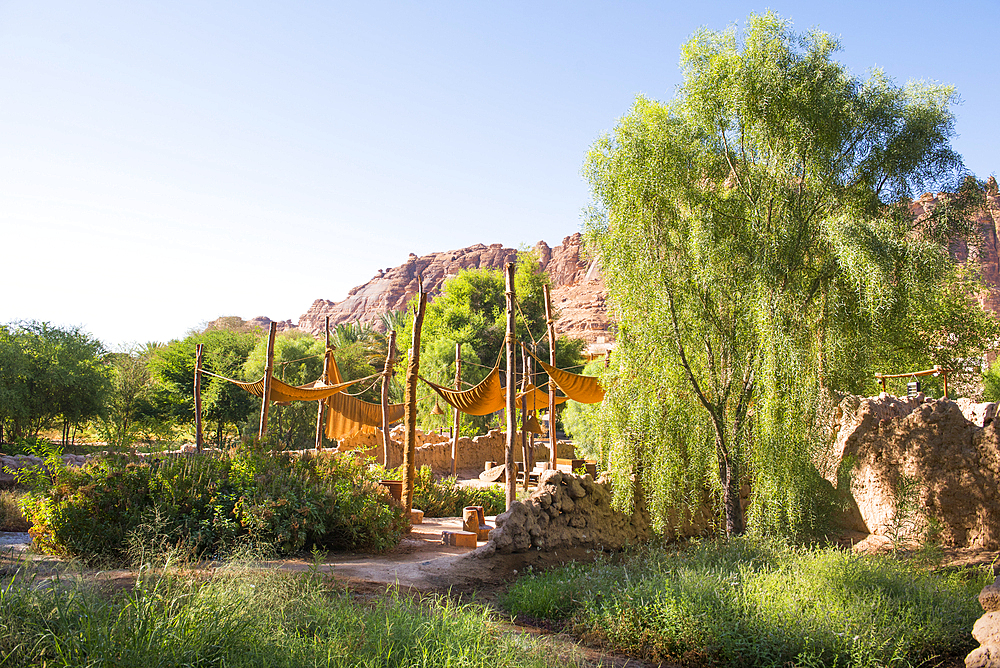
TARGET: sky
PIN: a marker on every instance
(166, 163)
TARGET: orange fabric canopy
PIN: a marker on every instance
(485, 398)
(585, 389)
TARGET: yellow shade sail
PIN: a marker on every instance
(485, 398)
(284, 393)
(585, 389)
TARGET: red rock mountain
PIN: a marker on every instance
(578, 288)
(578, 292)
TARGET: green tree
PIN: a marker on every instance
(298, 359)
(224, 405)
(127, 411)
(758, 247)
(50, 372)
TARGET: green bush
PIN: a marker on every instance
(117, 506)
(760, 603)
(444, 497)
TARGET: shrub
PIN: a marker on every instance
(444, 497)
(116, 507)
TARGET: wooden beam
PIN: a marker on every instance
(509, 467)
(268, 372)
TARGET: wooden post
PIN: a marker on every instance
(197, 396)
(268, 371)
(509, 466)
(410, 404)
(457, 416)
(551, 326)
(945, 373)
(525, 458)
(390, 359)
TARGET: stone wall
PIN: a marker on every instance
(565, 511)
(432, 451)
(10, 464)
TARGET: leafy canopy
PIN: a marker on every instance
(758, 248)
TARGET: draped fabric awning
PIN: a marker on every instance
(485, 398)
(535, 398)
(283, 392)
(347, 415)
(585, 389)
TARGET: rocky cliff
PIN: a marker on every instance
(578, 292)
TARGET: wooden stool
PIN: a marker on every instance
(458, 538)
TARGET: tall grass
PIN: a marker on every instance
(759, 603)
(11, 518)
(250, 618)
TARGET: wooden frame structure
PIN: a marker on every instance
(936, 371)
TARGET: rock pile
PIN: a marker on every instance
(565, 511)
(987, 630)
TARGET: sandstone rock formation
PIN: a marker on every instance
(578, 288)
(987, 255)
(955, 464)
(565, 511)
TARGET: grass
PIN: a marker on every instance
(11, 518)
(760, 603)
(250, 617)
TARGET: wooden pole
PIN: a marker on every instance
(551, 326)
(525, 457)
(509, 466)
(197, 396)
(268, 371)
(457, 416)
(410, 404)
(390, 359)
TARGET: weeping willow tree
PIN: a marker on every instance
(758, 248)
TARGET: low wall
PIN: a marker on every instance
(431, 451)
(11, 464)
(565, 511)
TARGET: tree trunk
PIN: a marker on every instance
(457, 415)
(268, 370)
(730, 479)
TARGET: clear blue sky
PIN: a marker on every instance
(162, 164)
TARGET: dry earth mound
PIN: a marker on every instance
(951, 457)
